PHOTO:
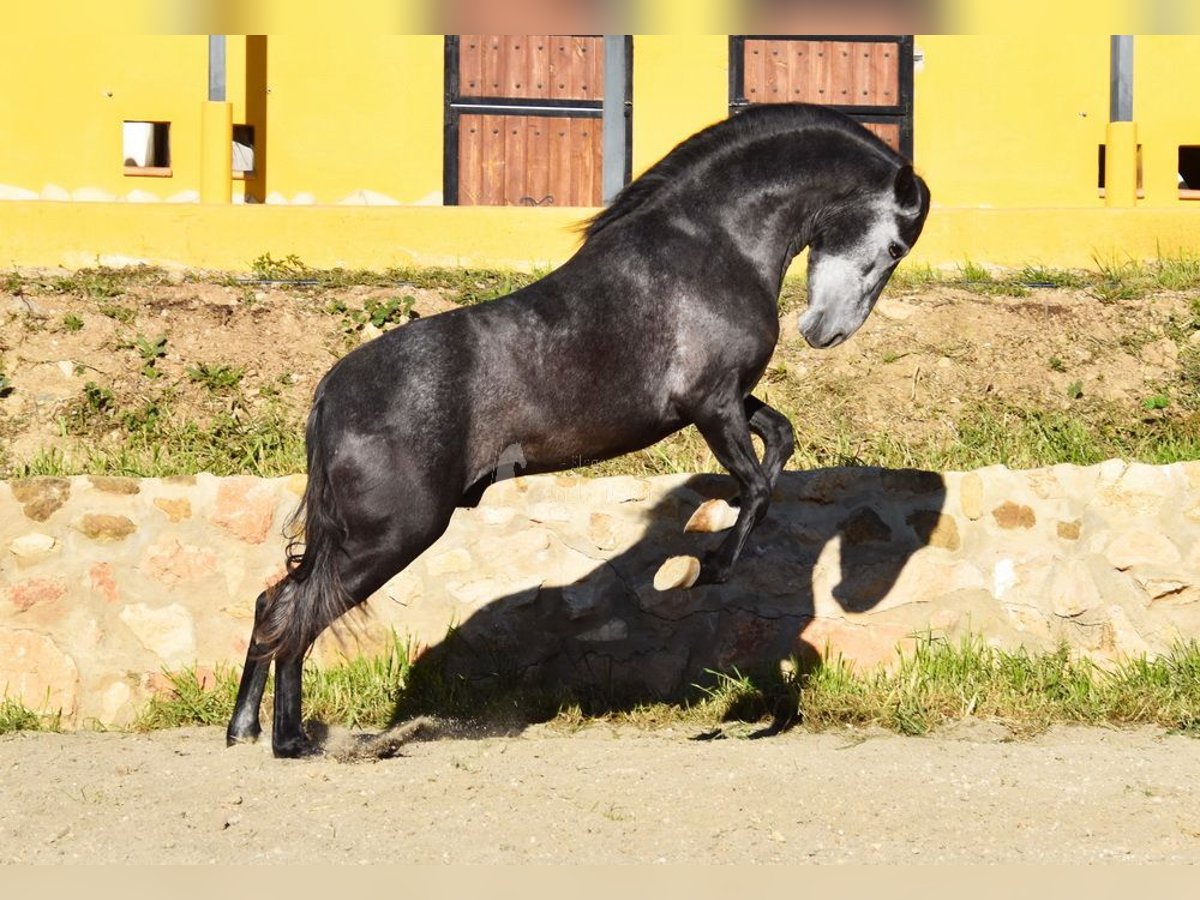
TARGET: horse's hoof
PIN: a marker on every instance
(712, 516)
(677, 572)
(238, 734)
(233, 739)
(298, 748)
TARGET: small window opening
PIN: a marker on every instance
(243, 151)
(1189, 172)
(1101, 158)
(146, 148)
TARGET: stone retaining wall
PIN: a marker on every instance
(105, 582)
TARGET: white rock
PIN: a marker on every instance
(550, 512)
(1072, 589)
(167, 632)
(34, 544)
(450, 562)
(1004, 577)
(1141, 548)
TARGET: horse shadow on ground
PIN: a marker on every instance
(610, 642)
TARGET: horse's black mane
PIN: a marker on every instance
(752, 124)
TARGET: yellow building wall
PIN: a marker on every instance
(1011, 121)
(344, 117)
(1007, 130)
(1166, 67)
(680, 85)
(64, 101)
(350, 114)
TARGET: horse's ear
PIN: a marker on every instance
(908, 194)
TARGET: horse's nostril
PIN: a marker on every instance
(833, 340)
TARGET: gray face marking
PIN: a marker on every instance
(843, 287)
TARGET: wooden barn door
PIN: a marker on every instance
(869, 77)
(524, 119)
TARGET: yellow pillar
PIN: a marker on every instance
(216, 152)
(1120, 164)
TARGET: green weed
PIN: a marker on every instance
(391, 311)
(118, 313)
(15, 716)
(150, 351)
(290, 268)
(216, 378)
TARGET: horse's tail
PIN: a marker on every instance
(311, 596)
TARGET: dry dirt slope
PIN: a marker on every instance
(156, 346)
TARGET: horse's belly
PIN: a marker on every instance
(574, 444)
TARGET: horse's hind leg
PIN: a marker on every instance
(287, 731)
(779, 443)
(369, 558)
(244, 727)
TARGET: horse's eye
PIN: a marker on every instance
(895, 251)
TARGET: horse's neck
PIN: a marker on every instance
(773, 223)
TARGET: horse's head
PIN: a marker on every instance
(853, 253)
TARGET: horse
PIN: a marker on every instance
(666, 315)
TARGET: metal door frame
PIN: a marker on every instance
(456, 106)
(900, 114)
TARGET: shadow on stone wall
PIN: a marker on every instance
(611, 642)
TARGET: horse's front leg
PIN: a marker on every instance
(726, 428)
(779, 443)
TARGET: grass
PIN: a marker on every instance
(1109, 280)
(15, 716)
(942, 682)
(984, 434)
(267, 440)
(937, 684)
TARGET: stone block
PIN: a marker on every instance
(172, 562)
(32, 546)
(1072, 589)
(24, 595)
(104, 527)
(245, 507)
(450, 562)
(40, 498)
(178, 509)
(109, 485)
(970, 495)
(1069, 531)
(612, 630)
(1141, 547)
(864, 526)
(935, 529)
(168, 632)
(1009, 515)
(36, 673)
(103, 581)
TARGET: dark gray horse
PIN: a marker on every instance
(666, 316)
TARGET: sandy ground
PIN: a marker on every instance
(604, 795)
